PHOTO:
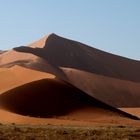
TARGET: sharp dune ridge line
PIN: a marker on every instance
(61, 80)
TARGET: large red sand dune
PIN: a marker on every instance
(88, 78)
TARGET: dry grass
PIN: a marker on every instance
(49, 132)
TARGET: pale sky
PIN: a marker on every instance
(110, 25)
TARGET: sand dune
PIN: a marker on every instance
(42, 98)
(115, 78)
(77, 55)
(75, 81)
(53, 98)
(47, 97)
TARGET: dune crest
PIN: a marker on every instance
(41, 43)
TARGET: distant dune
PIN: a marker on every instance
(61, 78)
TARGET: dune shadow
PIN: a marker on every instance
(48, 98)
(43, 98)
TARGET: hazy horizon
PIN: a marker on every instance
(112, 26)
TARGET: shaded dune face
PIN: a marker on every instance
(44, 98)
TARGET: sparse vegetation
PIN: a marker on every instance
(49, 132)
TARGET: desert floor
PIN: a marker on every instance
(60, 132)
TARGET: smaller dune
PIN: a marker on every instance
(45, 98)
